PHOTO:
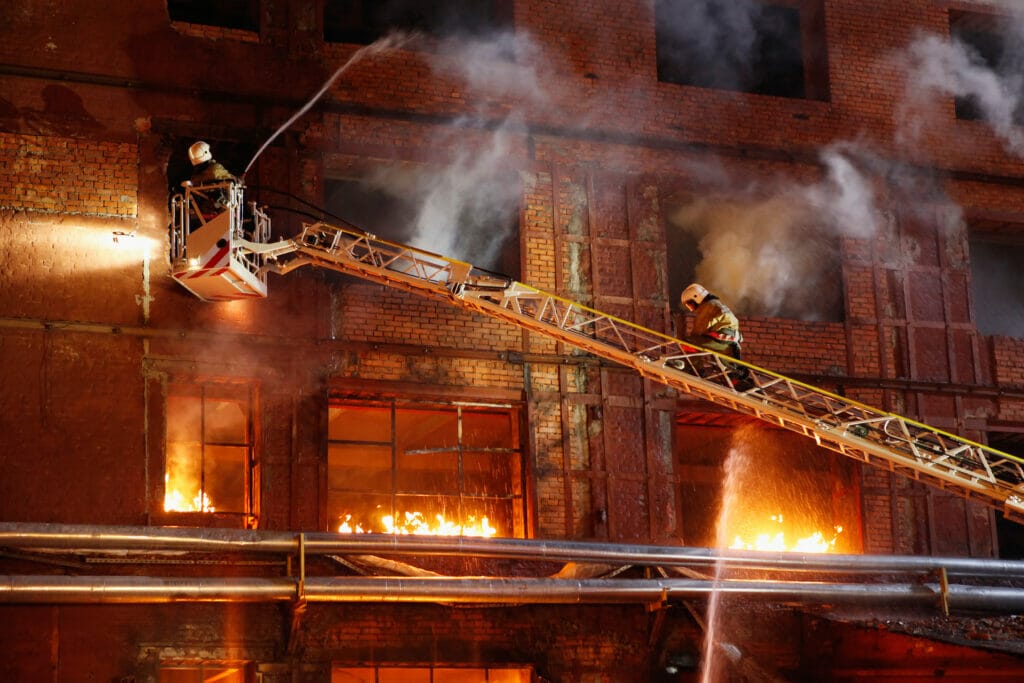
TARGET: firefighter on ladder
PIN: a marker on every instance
(715, 327)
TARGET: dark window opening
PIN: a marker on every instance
(992, 46)
(425, 468)
(1010, 534)
(477, 223)
(997, 284)
(364, 21)
(237, 14)
(209, 462)
(754, 46)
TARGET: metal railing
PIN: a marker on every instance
(191, 210)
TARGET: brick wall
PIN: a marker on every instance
(595, 141)
(68, 175)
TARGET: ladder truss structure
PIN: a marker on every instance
(856, 430)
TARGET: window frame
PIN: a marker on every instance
(979, 31)
(519, 500)
(813, 49)
(244, 393)
(248, 669)
(530, 672)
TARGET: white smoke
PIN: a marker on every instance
(948, 67)
(845, 199)
(773, 251)
(465, 207)
(501, 67)
(465, 204)
(718, 36)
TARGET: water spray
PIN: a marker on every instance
(388, 42)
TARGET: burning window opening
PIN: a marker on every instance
(774, 539)
(205, 673)
(745, 486)
(431, 674)
(208, 451)
(403, 469)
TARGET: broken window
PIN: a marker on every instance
(425, 468)
(237, 14)
(430, 674)
(997, 283)
(466, 211)
(993, 43)
(209, 465)
(364, 21)
(764, 47)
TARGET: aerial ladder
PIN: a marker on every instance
(229, 257)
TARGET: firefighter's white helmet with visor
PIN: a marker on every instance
(693, 296)
(199, 152)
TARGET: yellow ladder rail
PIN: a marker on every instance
(882, 439)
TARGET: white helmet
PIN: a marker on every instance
(692, 296)
(199, 152)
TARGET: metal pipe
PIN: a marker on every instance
(136, 589)
(123, 539)
(141, 589)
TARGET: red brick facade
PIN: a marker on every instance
(96, 110)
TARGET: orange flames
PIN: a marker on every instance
(177, 501)
(416, 523)
(776, 541)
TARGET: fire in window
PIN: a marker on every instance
(430, 675)
(406, 468)
(209, 458)
(205, 673)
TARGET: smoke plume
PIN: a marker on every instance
(466, 206)
(773, 251)
(993, 86)
(719, 36)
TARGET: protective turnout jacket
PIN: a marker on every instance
(715, 326)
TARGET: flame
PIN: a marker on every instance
(815, 543)
(417, 524)
(176, 501)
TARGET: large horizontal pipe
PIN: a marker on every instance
(122, 539)
(135, 589)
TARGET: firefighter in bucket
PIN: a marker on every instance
(211, 186)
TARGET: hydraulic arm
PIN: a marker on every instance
(873, 436)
